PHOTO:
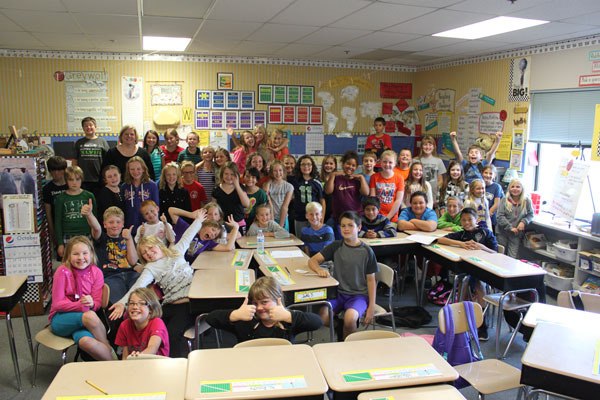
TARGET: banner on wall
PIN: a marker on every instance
(567, 187)
(518, 89)
(132, 102)
(596, 135)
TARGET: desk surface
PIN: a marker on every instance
(353, 359)
(302, 281)
(9, 285)
(563, 350)
(234, 366)
(445, 392)
(436, 233)
(501, 265)
(223, 259)
(217, 284)
(249, 242)
(120, 377)
(451, 253)
(539, 312)
(401, 238)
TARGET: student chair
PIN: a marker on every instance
(486, 376)
(590, 302)
(371, 334)
(192, 335)
(501, 249)
(385, 276)
(264, 342)
(62, 344)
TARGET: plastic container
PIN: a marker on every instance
(564, 252)
(557, 282)
(260, 242)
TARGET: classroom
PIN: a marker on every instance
(346, 175)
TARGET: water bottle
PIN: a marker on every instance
(260, 242)
(223, 239)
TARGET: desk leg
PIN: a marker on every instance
(13, 349)
(26, 324)
(320, 303)
(425, 268)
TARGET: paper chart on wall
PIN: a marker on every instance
(87, 94)
(568, 183)
(132, 102)
(315, 143)
(474, 105)
(219, 139)
(467, 131)
(444, 122)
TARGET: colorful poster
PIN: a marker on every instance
(247, 100)
(218, 99)
(505, 147)
(389, 90)
(260, 118)
(202, 120)
(308, 95)
(316, 115)
(187, 116)
(289, 114)
(202, 99)
(516, 160)
(279, 94)
(519, 79)
(302, 116)
(219, 139)
(233, 100)
(596, 135)
(490, 123)
(518, 139)
(217, 119)
(293, 94)
(444, 100)
(275, 114)
(245, 120)
(231, 119)
(265, 94)
(166, 95)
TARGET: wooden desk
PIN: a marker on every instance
(120, 377)
(445, 392)
(436, 233)
(353, 367)
(400, 239)
(12, 289)
(230, 373)
(539, 312)
(559, 359)
(223, 259)
(306, 287)
(214, 289)
(249, 242)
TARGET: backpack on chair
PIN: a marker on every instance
(460, 348)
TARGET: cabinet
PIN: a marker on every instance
(554, 231)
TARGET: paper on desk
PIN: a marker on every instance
(140, 396)
(286, 253)
(423, 239)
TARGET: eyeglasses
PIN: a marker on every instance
(138, 304)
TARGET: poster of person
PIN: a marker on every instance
(18, 176)
(518, 89)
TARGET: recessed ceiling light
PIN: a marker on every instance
(159, 43)
(494, 26)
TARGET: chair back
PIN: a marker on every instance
(501, 249)
(105, 295)
(568, 299)
(385, 275)
(371, 334)
(264, 342)
(460, 319)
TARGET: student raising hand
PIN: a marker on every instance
(244, 313)
(87, 209)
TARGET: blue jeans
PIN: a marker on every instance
(120, 283)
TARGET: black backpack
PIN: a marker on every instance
(409, 317)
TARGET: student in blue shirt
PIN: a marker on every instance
(317, 235)
(474, 163)
(418, 217)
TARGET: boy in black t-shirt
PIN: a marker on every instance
(56, 166)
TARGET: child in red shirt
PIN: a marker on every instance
(379, 142)
(197, 194)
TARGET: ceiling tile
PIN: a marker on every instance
(40, 21)
(380, 15)
(170, 27)
(466, 46)
(249, 10)
(63, 41)
(214, 30)
(281, 33)
(333, 36)
(438, 21)
(20, 40)
(424, 43)
(425, 3)
(559, 10)
(380, 54)
(34, 5)
(296, 50)
(101, 24)
(118, 43)
(587, 19)
(318, 12)
(6, 25)
(116, 7)
(497, 7)
(221, 47)
(176, 8)
(340, 52)
(251, 48)
(381, 39)
(540, 32)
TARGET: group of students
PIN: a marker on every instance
(144, 233)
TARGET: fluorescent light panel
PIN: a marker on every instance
(490, 27)
(159, 43)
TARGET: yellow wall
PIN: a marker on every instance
(32, 98)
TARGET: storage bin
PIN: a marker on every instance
(564, 252)
(557, 282)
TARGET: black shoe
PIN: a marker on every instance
(482, 332)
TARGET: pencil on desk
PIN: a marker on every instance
(96, 387)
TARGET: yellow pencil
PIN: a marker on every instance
(96, 387)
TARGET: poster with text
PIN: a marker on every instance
(132, 102)
(570, 177)
(519, 79)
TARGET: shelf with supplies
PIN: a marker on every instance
(572, 253)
